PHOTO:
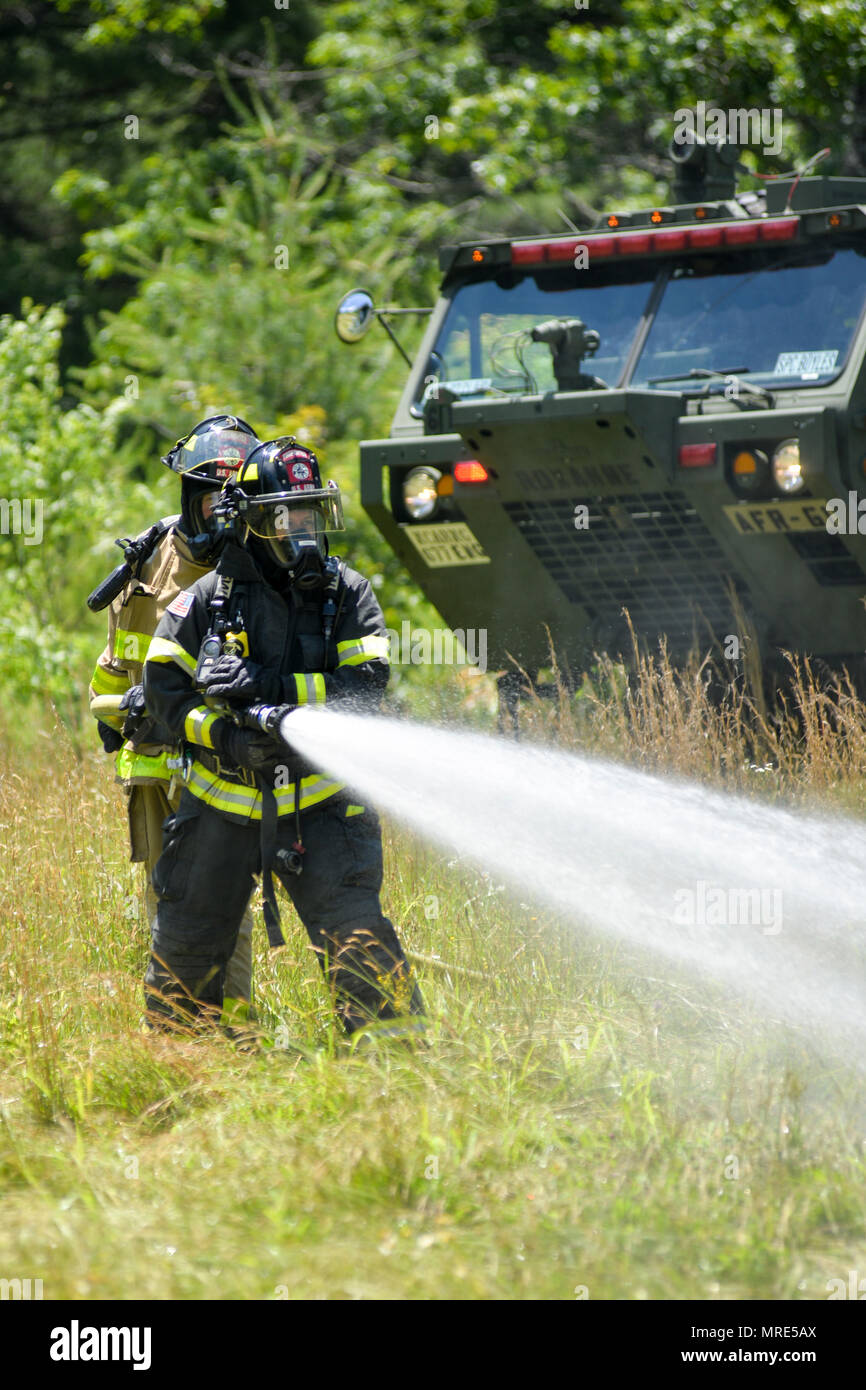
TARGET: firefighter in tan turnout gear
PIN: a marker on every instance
(278, 624)
(167, 560)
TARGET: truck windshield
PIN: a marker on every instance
(784, 321)
(785, 318)
(483, 345)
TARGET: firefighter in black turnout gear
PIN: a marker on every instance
(280, 623)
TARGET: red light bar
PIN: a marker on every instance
(741, 234)
(744, 233)
(529, 253)
(600, 246)
(697, 455)
(669, 241)
(471, 471)
(559, 252)
(562, 250)
(633, 243)
(705, 236)
(779, 229)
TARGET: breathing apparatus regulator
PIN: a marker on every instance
(277, 508)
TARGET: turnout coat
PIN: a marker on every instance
(283, 632)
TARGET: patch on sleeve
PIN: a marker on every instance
(181, 605)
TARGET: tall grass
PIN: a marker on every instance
(582, 1122)
(696, 722)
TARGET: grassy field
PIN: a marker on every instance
(582, 1123)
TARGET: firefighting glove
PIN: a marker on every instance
(111, 739)
(139, 726)
(238, 678)
(245, 747)
(133, 703)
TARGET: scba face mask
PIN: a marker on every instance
(201, 528)
(286, 511)
(292, 529)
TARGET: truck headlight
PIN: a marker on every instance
(787, 469)
(420, 497)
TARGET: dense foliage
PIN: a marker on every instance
(192, 185)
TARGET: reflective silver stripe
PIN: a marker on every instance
(217, 791)
(223, 795)
(310, 689)
(198, 724)
(361, 649)
(374, 643)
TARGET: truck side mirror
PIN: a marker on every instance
(355, 314)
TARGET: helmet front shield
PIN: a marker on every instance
(281, 515)
(216, 448)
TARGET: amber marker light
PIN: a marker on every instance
(751, 471)
(478, 254)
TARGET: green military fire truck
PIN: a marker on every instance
(661, 420)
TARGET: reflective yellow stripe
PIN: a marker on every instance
(104, 682)
(115, 719)
(309, 688)
(244, 801)
(130, 764)
(130, 646)
(198, 724)
(164, 650)
(362, 649)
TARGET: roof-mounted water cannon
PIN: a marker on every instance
(356, 313)
(570, 341)
(705, 168)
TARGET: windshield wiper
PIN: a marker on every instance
(733, 374)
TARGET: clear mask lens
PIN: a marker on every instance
(287, 516)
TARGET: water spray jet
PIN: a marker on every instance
(763, 900)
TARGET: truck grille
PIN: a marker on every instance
(649, 553)
(827, 559)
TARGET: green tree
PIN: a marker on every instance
(60, 505)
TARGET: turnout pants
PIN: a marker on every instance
(204, 878)
(149, 808)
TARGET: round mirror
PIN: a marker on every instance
(355, 313)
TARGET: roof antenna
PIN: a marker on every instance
(568, 222)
